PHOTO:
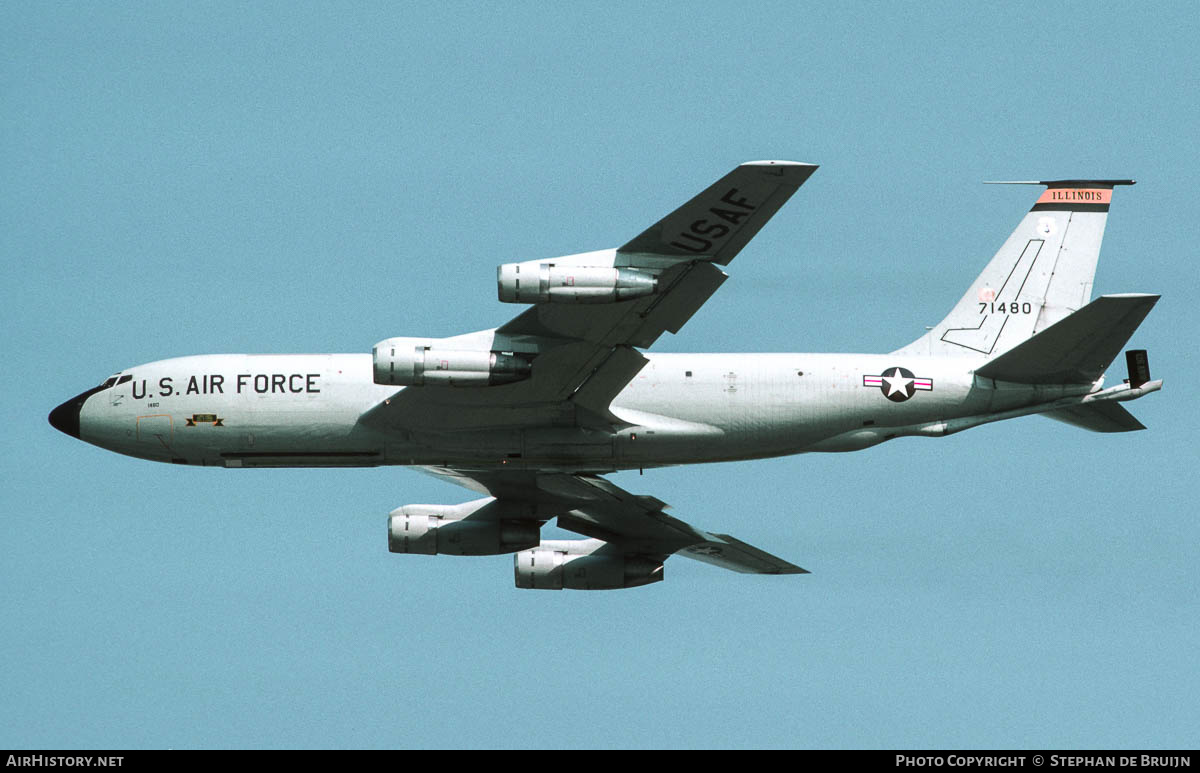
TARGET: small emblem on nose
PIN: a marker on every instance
(205, 418)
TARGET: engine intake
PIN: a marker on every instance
(470, 529)
(583, 565)
(428, 362)
(535, 282)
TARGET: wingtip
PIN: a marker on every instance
(780, 162)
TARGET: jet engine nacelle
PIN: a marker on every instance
(430, 362)
(537, 282)
(470, 529)
(583, 565)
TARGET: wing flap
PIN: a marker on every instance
(694, 287)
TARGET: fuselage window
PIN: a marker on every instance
(124, 379)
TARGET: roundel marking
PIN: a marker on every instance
(898, 384)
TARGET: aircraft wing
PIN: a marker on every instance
(709, 229)
(635, 525)
(585, 354)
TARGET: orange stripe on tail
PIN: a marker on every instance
(1076, 196)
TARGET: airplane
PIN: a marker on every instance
(531, 415)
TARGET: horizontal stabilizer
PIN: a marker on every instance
(1078, 348)
(1097, 417)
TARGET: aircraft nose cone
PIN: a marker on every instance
(65, 418)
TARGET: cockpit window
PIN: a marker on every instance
(113, 381)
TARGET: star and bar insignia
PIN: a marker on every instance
(898, 384)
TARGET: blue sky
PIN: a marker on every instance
(291, 178)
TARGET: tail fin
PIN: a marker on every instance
(1043, 273)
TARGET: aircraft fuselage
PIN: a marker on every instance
(322, 410)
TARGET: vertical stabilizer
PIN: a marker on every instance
(1043, 272)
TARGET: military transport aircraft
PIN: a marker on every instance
(533, 413)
